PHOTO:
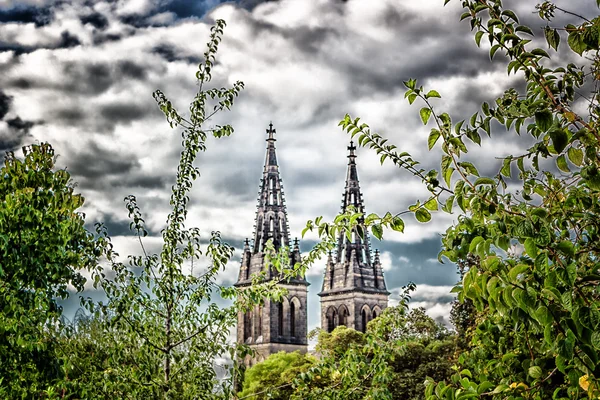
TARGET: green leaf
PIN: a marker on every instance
(561, 162)
(543, 315)
(377, 230)
(531, 248)
(478, 36)
(552, 37)
(516, 271)
(432, 204)
(433, 137)
(397, 224)
(540, 52)
(511, 15)
(469, 167)
(575, 156)
(425, 113)
(576, 42)
(422, 215)
(484, 181)
(543, 120)
(535, 372)
(506, 166)
(493, 50)
(448, 175)
(567, 248)
(432, 93)
(559, 139)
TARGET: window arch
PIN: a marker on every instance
(280, 319)
(343, 315)
(376, 311)
(247, 326)
(365, 317)
(331, 316)
(292, 319)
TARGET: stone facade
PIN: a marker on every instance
(354, 290)
(273, 326)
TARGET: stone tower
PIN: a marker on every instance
(354, 290)
(273, 326)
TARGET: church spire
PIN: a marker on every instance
(271, 214)
(352, 267)
(353, 290)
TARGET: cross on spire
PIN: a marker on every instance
(271, 131)
(351, 148)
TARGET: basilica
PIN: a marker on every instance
(353, 291)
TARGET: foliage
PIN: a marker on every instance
(43, 248)
(337, 342)
(392, 360)
(168, 327)
(536, 279)
(272, 378)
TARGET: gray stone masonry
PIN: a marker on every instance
(272, 327)
(354, 290)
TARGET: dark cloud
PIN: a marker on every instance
(40, 16)
(5, 101)
(97, 20)
(190, 8)
(68, 40)
(123, 112)
(95, 164)
(19, 125)
(130, 69)
(16, 48)
(103, 38)
(21, 83)
(70, 116)
(86, 78)
(171, 53)
(98, 168)
(16, 134)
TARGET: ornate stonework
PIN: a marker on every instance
(272, 327)
(354, 290)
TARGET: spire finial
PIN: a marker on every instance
(351, 149)
(271, 131)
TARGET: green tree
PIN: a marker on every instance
(393, 359)
(272, 378)
(170, 329)
(539, 335)
(161, 307)
(43, 248)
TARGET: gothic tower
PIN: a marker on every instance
(272, 327)
(354, 290)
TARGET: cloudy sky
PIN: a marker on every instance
(80, 74)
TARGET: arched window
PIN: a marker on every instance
(331, 318)
(247, 326)
(364, 320)
(271, 225)
(271, 198)
(292, 319)
(271, 183)
(259, 321)
(343, 316)
(280, 319)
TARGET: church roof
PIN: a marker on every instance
(271, 220)
(352, 268)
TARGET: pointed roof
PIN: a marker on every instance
(352, 268)
(271, 221)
